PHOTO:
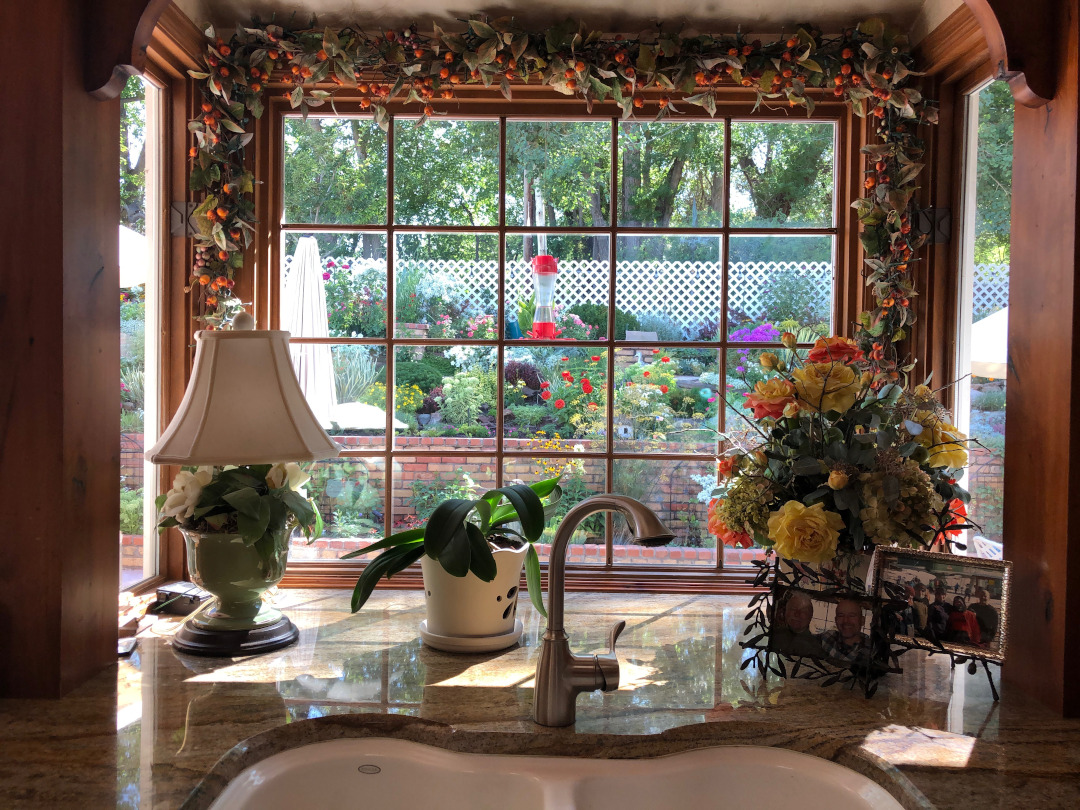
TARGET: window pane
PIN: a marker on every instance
(446, 285)
(674, 490)
(341, 274)
(782, 175)
(445, 395)
(778, 284)
(980, 400)
(665, 400)
(743, 371)
(581, 286)
(671, 175)
(350, 495)
(423, 482)
(334, 171)
(356, 416)
(446, 172)
(558, 173)
(555, 397)
(581, 478)
(668, 287)
(140, 297)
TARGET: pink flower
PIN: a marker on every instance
(325, 276)
(330, 263)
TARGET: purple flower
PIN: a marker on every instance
(741, 369)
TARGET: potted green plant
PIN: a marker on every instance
(236, 523)
(471, 553)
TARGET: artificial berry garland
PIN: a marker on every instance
(868, 66)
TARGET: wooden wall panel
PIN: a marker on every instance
(59, 393)
(1042, 437)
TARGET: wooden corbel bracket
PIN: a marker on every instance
(120, 32)
(1022, 38)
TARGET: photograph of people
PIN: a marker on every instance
(793, 636)
(920, 607)
(986, 616)
(938, 622)
(962, 627)
(847, 642)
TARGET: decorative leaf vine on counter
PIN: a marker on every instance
(868, 66)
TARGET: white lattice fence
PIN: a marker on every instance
(686, 293)
(990, 290)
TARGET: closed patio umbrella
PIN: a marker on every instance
(990, 344)
(303, 314)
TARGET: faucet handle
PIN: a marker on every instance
(607, 663)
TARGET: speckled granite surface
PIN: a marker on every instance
(148, 733)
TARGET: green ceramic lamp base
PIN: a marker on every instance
(199, 640)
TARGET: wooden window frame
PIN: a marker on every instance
(536, 103)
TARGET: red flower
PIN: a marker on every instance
(545, 384)
(595, 358)
(665, 359)
(545, 395)
(564, 359)
(586, 386)
(663, 389)
(646, 373)
(958, 517)
(560, 403)
(566, 375)
(656, 351)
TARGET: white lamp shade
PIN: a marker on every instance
(243, 405)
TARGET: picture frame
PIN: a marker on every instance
(815, 651)
(904, 579)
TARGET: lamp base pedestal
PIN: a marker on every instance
(199, 640)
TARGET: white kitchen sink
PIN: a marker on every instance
(388, 774)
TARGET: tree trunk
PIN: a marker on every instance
(598, 209)
(630, 180)
(671, 191)
(530, 216)
(358, 145)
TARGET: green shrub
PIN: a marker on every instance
(131, 511)
(662, 325)
(596, 314)
(439, 361)
(356, 369)
(527, 417)
(131, 421)
(461, 400)
(988, 400)
(426, 495)
(422, 375)
(133, 386)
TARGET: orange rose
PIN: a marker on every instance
(837, 349)
(720, 530)
(770, 398)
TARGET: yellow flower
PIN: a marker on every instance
(944, 442)
(828, 386)
(769, 360)
(789, 340)
(838, 479)
(806, 533)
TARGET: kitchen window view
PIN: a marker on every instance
(446, 354)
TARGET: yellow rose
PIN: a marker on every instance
(805, 533)
(769, 360)
(789, 340)
(838, 479)
(828, 386)
(944, 442)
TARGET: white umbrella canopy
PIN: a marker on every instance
(990, 345)
(303, 314)
(134, 258)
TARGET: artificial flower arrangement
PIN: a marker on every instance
(255, 501)
(847, 460)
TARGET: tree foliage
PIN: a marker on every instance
(133, 156)
(993, 183)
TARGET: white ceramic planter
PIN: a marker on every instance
(465, 614)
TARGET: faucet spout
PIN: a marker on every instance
(560, 675)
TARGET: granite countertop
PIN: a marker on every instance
(147, 733)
